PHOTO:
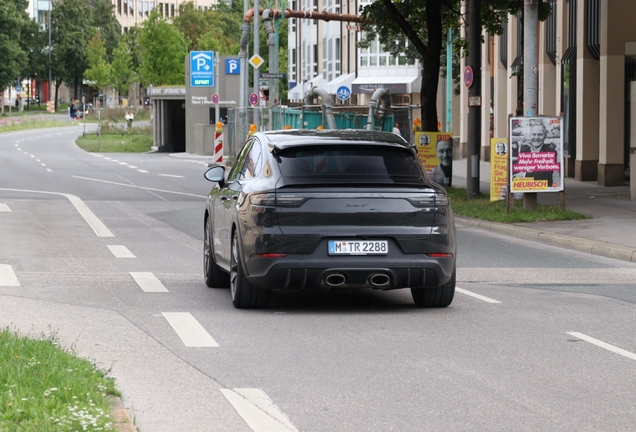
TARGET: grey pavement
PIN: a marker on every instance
(610, 231)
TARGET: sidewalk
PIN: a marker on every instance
(611, 231)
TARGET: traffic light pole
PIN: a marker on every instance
(530, 74)
(474, 98)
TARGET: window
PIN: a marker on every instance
(140, 8)
(172, 10)
(152, 6)
(250, 161)
(125, 7)
(146, 8)
(119, 7)
(351, 163)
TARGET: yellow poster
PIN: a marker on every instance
(498, 168)
(435, 150)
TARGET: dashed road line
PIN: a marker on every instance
(5, 208)
(604, 345)
(258, 410)
(189, 330)
(121, 251)
(143, 171)
(7, 276)
(477, 296)
(171, 175)
(148, 282)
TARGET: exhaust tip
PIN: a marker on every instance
(335, 279)
(379, 280)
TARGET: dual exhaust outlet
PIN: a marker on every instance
(377, 280)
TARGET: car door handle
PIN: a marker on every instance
(226, 198)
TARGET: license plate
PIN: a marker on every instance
(358, 247)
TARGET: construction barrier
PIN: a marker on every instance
(218, 145)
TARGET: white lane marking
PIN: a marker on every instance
(602, 344)
(191, 333)
(123, 163)
(32, 156)
(139, 187)
(171, 175)
(5, 208)
(93, 221)
(121, 251)
(43, 164)
(49, 170)
(477, 296)
(19, 149)
(132, 166)
(26, 153)
(114, 160)
(7, 276)
(107, 158)
(37, 160)
(143, 171)
(148, 282)
(258, 410)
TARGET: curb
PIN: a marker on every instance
(559, 240)
(120, 417)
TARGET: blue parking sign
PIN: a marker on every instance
(232, 66)
(201, 69)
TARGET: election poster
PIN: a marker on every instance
(435, 150)
(536, 159)
(498, 168)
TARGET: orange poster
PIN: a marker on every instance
(498, 168)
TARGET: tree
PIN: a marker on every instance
(422, 25)
(105, 21)
(71, 24)
(162, 52)
(192, 23)
(99, 70)
(122, 73)
(13, 20)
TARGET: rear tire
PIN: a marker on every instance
(244, 295)
(214, 276)
(437, 297)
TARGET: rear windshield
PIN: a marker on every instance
(351, 164)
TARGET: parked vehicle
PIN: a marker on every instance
(328, 209)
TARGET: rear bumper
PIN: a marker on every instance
(311, 271)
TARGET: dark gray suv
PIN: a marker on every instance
(320, 209)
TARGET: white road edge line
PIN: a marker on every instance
(93, 221)
(189, 330)
(5, 208)
(140, 187)
(477, 296)
(121, 251)
(148, 282)
(258, 410)
(7, 276)
(604, 345)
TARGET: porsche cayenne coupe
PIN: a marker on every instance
(328, 209)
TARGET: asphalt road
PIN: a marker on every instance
(106, 252)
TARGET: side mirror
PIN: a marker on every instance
(215, 174)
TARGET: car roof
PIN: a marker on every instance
(283, 139)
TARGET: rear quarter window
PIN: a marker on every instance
(351, 164)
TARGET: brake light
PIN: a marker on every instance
(428, 200)
(269, 255)
(439, 255)
(290, 200)
(263, 199)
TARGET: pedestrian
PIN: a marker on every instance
(72, 111)
(129, 117)
(396, 129)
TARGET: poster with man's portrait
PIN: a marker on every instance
(536, 154)
(435, 150)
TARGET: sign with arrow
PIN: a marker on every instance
(201, 69)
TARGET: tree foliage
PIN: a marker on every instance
(122, 73)
(416, 28)
(105, 21)
(99, 70)
(14, 22)
(162, 52)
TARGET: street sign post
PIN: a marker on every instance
(201, 69)
(256, 61)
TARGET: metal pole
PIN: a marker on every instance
(257, 33)
(50, 74)
(217, 108)
(530, 73)
(474, 111)
(449, 81)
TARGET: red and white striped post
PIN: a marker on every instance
(218, 143)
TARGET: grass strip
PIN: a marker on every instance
(46, 388)
(134, 140)
(482, 208)
(31, 124)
